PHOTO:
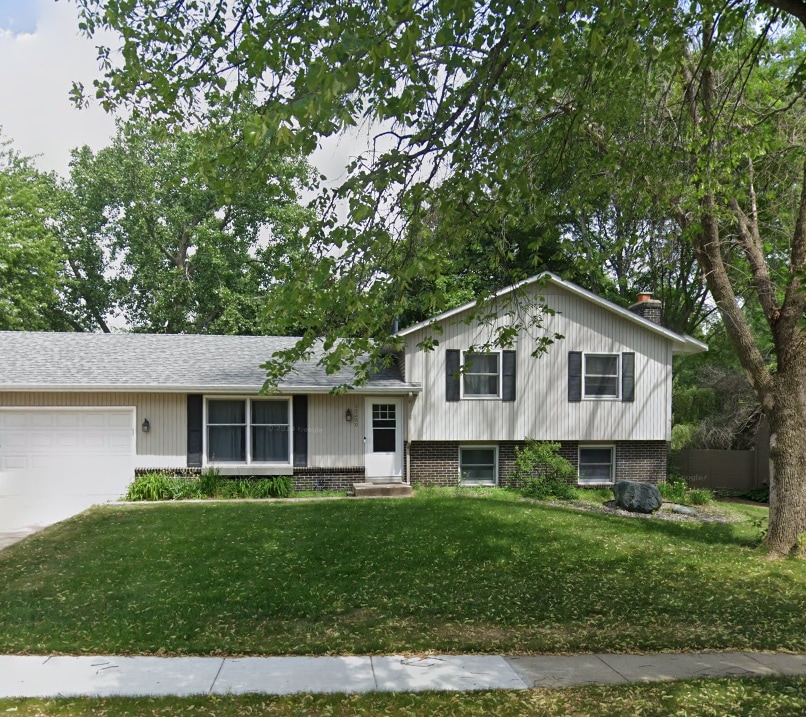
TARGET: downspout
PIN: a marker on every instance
(408, 441)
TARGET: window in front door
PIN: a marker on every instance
(384, 427)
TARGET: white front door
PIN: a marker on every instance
(383, 439)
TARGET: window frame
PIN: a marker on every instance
(463, 372)
(596, 446)
(396, 428)
(479, 446)
(618, 376)
(248, 425)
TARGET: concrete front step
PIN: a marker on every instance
(375, 490)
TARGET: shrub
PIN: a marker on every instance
(759, 495)
(699, 496)
(209, 482)
(231, 488)
(541, 472)
(163, 486)
(277, 487)
(185, 488)
(251, 487)
(673, 491)
(150, 486)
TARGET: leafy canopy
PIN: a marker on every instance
(188, 243)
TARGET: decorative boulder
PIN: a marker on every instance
(637, 497)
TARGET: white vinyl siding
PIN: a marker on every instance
(601, 375)
(164, 446)
(541, 409)
(334, 442)
(481, 375)
(596, 465)
(478, 465)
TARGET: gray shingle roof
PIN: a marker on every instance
(177, 362)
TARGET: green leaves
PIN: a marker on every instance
(34, 279)
(197, 223)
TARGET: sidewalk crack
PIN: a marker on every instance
(608, 665)
(372, 667)
(215, 679)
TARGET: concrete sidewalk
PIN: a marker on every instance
(106, 676)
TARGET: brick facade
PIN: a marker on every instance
(327, 478)
(304, 478)
(436, 463)
(182, 472)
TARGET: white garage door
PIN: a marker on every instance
(55, 463)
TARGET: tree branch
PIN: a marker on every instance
(796, 8)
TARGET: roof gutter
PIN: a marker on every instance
(125, 388)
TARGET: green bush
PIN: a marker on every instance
(699, 496)
(163, 486)
(674, 489)
(185, 488)
(150, 486)
(673, 492)
(758, 495)
(209, 482)
(278, 487)
(275, 487)
(542, 473)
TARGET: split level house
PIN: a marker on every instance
(84, 412)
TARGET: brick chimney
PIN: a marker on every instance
(648, 308)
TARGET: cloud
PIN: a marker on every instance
(17, 17)
(38, 71)
(39, 68)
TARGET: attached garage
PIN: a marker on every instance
(55, 462)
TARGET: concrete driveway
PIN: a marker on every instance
(22, 515)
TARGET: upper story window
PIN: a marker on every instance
(601, 376)
(481, 375)
(248, 431)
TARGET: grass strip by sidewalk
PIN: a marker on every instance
(436, 573)
(765, 697)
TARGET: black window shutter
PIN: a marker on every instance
(574, 376)
(452, 359)
(628, 377)
(508, 373)
(195, 428)
(300, 431)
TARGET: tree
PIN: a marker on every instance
(188, 244)
(32, 259)
(447, 82)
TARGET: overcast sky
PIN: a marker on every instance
(41, 54)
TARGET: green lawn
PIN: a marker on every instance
(704, 698)
(438, 573)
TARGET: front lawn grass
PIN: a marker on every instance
(767, 697)
(435, 573)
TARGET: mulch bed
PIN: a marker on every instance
(705, 513)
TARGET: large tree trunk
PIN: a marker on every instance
(788, 455)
